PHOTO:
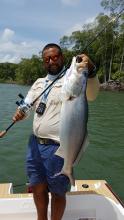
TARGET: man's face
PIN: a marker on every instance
(53, 60)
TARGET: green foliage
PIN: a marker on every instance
(118, 76)
(105, 48)
(7, 71)
(29, 70)
(25, 72)
(68, 54)
(112, 4)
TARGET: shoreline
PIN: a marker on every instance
(112, 86)
(108, 86)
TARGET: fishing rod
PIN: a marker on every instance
(26, 107)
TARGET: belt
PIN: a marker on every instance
(46, 141)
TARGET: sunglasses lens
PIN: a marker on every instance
(53, 58)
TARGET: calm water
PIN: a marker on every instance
(104, 158)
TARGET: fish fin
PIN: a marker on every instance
(82, 149)
(70, 176)
(60, 152)
(72, 180)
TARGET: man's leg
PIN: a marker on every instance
(41, 199)
(58, 204)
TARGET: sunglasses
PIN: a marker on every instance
(53, 58)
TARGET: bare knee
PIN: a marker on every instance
(57, 196)
(39, 188)
(40, 194)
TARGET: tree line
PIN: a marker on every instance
(106, 51)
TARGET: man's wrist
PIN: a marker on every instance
(92, 72)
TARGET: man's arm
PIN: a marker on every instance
(93, 84)
(92, 90)
(19, 115)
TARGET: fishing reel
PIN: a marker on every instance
(23, 106)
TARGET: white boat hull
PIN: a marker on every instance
(96, 202)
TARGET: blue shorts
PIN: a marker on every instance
(42, 165)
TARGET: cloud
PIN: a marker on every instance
(90, 20)
(79, 26)
(9, 58)
(76, 27)
(7, 34)
(70, 2)
(12, 50)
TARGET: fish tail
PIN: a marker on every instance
(70, 176)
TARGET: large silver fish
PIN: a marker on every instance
(73, 128)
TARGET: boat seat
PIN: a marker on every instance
(5, 188)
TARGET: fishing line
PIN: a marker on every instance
(61, 74)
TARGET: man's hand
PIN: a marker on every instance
(19, 115)
(85, 62)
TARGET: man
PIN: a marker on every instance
(42, 163)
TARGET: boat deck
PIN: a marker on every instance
(99, 187)
(5, 189)
(88, 200)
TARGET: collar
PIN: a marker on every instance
(52, 77)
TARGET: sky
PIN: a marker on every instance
(27, 25)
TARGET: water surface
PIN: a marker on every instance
(104, 158)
